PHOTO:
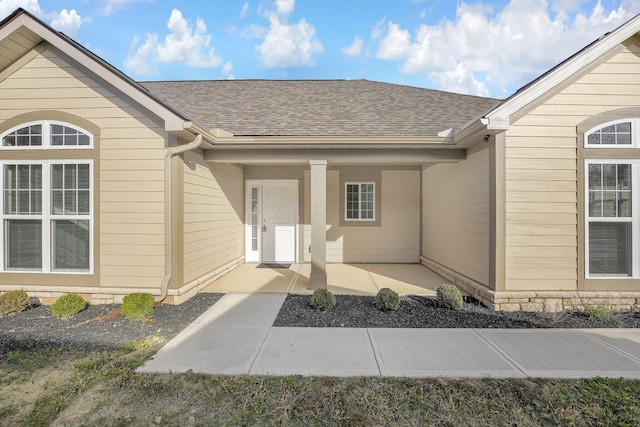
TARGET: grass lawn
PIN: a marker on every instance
(67, 387)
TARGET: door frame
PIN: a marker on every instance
(255, 255)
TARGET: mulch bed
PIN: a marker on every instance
(97, 327)
(423, 312)
(103, 327)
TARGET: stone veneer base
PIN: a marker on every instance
(536, 301)
(47, 295)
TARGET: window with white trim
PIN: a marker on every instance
(615, 134)
(46, 205)
(611, 218)
(46, 134)
(359, 201)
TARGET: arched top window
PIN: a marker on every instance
(46, 134)
(615, 134)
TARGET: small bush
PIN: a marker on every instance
(13, 302)
(68, 306)
(449, 296)
(322, 299)
(387, 300)
(137, 305)
(597, 312)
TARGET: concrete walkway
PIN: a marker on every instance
(235, 337)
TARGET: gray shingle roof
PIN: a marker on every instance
(320, 107)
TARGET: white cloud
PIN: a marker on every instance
(285, 6)
(354, 48)
(506, 47)
(67, 21)
(459, 80)
(378, 28)
(253, 31)
(182, 44)
(288, 45)
(245, 10)
(227, 68)
(395, 44)
(139, 62)
(8, 6)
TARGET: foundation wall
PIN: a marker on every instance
(535, 301)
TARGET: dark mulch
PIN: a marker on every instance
(97, 327)
(423, 312)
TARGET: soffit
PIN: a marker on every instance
(16, 44)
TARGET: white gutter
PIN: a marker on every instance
(168, 234)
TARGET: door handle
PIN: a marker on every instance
(264, 228)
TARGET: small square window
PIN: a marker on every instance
(360, 201)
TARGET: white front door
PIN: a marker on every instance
(272, 221)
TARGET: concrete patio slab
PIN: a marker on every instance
(405, 279)
(624, 340)
(349, 279)
(252, 278)
(209, 350)
(346, 279)
(560, 353)
(259, 309)
(438, 353)
(342, 352)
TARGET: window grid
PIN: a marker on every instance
(48, 242)
(360, 201)
(70, 189)
(611, 225)
(609, 190)
(23, 189)
(28, 136)
(64, 135)
(254, 219)
(618, 133)
(46, 134)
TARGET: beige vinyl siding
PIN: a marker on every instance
(130, 163)
(395, 240)
(455, 208)
(213, 216)
(541, 174)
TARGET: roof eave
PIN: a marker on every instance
(283, 140)
(500, 116)
(174, 120)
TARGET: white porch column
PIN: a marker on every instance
(318, 278)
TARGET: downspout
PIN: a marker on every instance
(168, 234)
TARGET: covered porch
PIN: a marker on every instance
(349, 219)
(349, 279)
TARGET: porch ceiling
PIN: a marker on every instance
(287, 155)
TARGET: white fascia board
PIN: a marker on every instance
(172, 120)
(500, 115)
(10, 27)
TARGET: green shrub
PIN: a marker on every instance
(137, 305)
(449, 296)
(597, 312)
(13, 302)
(387, 300)
(322, 299)
(68, 306)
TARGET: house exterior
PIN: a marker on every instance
(112, 186)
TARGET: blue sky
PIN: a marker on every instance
(486, 47)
